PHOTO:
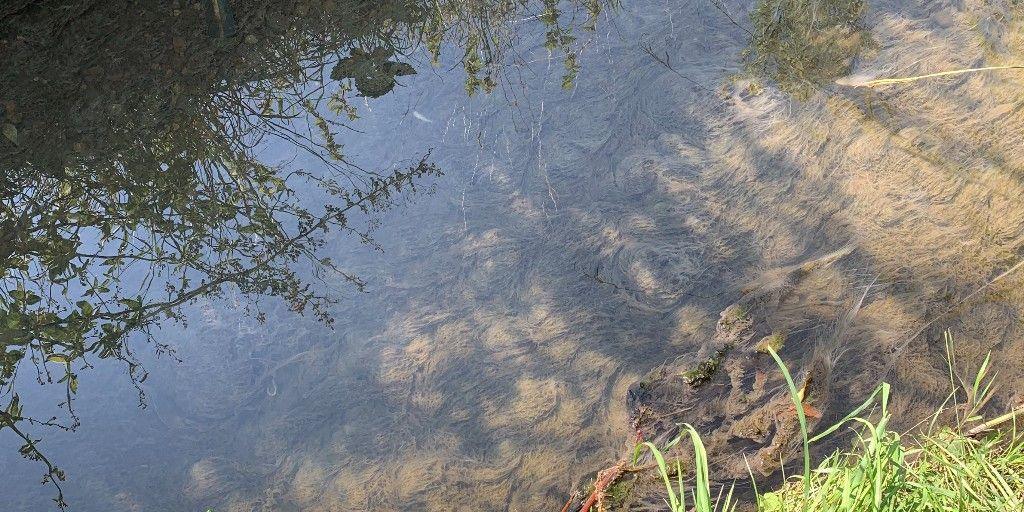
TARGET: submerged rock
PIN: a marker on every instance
(737, 399)
(732, 392)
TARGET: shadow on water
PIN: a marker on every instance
(590, 237)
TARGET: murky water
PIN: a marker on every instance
(578, 240)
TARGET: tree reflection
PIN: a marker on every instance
(804, 44)
(131, 184)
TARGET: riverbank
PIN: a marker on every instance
(722, 427)
(958, 459)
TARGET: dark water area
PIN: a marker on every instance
(579, 239)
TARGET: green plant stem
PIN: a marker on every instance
(798, 404)
(891, 81)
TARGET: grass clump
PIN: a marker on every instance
(967, 465)
(946, 470)
(700, 493)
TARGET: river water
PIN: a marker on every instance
(578, 239)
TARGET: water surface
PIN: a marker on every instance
(578, 239)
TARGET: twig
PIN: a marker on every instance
(721, 8)
(890, 81)
(565, 508)
(604, 479)
(990, 424)
(648, 48)
(958, 305)
(30, 451)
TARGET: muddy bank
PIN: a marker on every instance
(732, 392)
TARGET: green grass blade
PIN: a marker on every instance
(798, 404)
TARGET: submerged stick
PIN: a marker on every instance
(853, 82)
(604, 480)
(568, 504)
(899, 350)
